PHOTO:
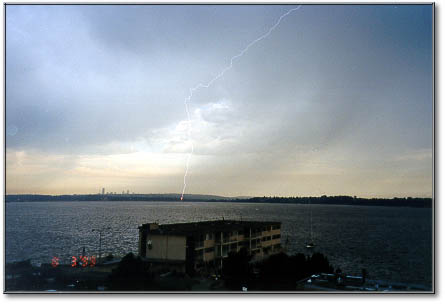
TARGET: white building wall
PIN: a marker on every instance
(166, 247)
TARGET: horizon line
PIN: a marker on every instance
(237, 196)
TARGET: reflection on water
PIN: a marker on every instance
(391, 243)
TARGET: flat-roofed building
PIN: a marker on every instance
(191, 246)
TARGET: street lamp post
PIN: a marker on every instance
(100, 241)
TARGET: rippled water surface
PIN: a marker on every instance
(391, 243)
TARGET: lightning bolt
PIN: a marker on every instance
(208, 84)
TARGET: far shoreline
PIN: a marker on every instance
(321, 200)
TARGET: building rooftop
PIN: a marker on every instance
(207, 226)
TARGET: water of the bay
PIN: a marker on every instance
(393, 244)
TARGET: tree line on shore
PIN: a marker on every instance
(346, 200)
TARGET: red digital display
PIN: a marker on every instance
(73, 261)
(55, 262)
(81, 261)
(84, 261)
(92, 261)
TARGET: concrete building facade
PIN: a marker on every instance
(193, 246)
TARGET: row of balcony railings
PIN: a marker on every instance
(230, 238)
(200, 244)
(225, 251)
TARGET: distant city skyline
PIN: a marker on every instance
(338, 100)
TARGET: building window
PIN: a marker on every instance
(199, 254)
(209, 249)
(233, 247)
(200, 241)
(225, 250)
(276, 236)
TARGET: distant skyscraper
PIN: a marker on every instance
(103, 191)
(128, 191)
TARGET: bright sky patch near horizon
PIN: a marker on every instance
(337, 100)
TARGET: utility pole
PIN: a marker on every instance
(222, 239)
(100, 241)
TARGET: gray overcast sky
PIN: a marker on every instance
(337, 100)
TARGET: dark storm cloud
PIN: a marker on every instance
(92, 74)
